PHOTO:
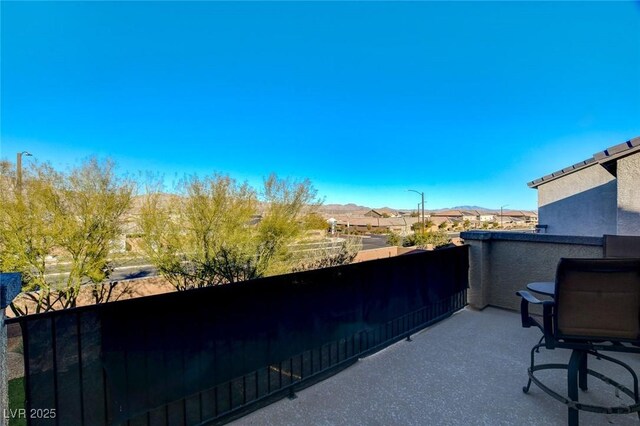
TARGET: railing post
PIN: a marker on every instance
(10, 285)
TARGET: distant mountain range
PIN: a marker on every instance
(469, 208)
(348, 208)
(342, 207)
(337, 208)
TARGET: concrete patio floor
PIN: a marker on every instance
(466, 370)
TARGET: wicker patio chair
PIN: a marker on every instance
(596, 308)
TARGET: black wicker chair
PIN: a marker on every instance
(596, 308)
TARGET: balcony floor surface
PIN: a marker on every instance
(466, 370)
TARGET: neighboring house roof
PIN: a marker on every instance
(374, 221)
(518, 213)
(373, 213)
(470, 213)
(439, 220)
(447, 213)
(387, 210)
(610, 154)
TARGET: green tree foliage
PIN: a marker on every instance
(194, 236)
(437, 239)
(338, 254)
(314, 221)
(394, 239)
(203, 236)
(76, 215)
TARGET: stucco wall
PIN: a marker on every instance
(629, 195)
(376, 253)
(502, 263)
(580, 203)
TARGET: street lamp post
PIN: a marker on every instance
(422, 195)
(501, 207)
(19, 168)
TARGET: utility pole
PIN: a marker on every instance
(19, 169)
(422, 195)
(501, 207)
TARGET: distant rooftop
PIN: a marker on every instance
(610, 154)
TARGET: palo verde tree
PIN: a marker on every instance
(75, 216)
(284, 202)
(188, 235)
(203, 234)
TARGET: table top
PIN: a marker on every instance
(548, 288)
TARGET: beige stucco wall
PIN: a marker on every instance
(500, 267)
(579, 203)
(377, 253)
(628, 170)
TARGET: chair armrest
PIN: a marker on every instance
(547, 312)
(530, 298)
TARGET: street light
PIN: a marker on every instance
(19, 168)
(422, 195)
(501, 207)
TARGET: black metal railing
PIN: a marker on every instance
(209, 355)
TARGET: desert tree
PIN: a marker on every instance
(197, 236)
(284, 203)
(76, 216)
(434, 238)
(203, 233)
(341, 253)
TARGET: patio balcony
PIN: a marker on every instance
(334, 338)
(466, 370)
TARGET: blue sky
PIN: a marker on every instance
(467, 101)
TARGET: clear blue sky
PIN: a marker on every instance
(465, 101)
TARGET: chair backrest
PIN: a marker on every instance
(621, 246)
(598, 299)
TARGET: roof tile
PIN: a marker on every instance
(608, 154)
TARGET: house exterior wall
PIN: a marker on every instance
(628, 212)
(582, 203)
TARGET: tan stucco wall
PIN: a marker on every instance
(580, 203)
(514, 264)
(629, 195)
(377, 253)
(499, 268)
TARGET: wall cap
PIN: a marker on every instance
(531, 237)
(10, 287)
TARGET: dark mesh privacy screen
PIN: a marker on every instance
(194, 356)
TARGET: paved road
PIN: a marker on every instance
(135, 271)
(374, 241)
(120, 273)
(143, 270)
